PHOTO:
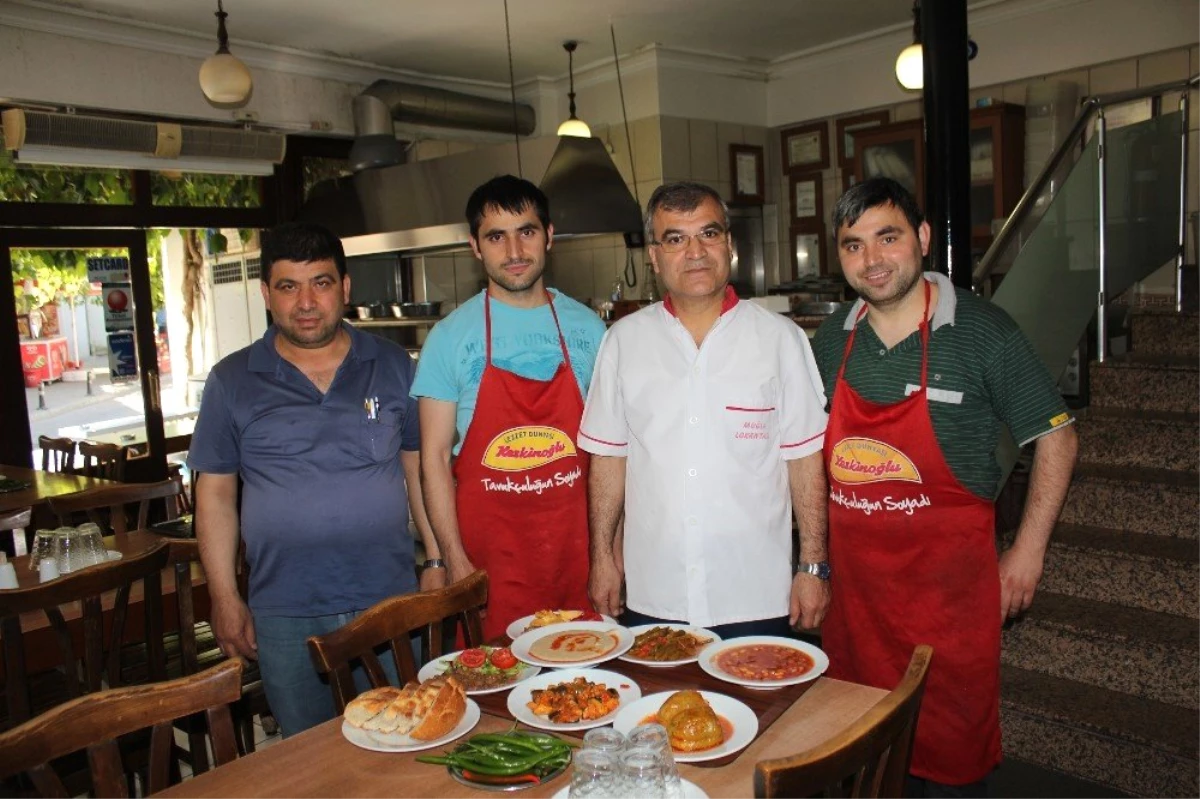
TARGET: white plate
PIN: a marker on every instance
(745, 723)
(709, 654)
(517, 628)
(520, 647)
(690, 791)
(521, 695)
(436, 668)
(384, 742)
(698, 631)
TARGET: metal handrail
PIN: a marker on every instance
(1091, 106)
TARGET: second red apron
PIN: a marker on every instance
(914, 562)
(522, 490)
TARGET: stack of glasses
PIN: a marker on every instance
(612, 765)
(66, 550)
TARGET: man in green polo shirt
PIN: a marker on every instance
(921, 377)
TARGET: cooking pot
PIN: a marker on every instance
(420, 309)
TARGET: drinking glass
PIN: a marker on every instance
(68, 550)
(596, 775)
(655, 737)
(642, 769)
(92, 543)
(606, 739)
(43, 548)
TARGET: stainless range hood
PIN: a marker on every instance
(419, 206)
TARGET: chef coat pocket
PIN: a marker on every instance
(750, 427)
(381, 435)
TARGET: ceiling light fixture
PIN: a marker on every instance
(573, 126)
(224, 79)
(910, 64)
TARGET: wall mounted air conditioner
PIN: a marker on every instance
(40, 137)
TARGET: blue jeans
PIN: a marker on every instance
(779, 626)
(299, 697)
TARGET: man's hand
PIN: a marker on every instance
(234, 628)
(458, 569)
(434, 578)
(1020, 573)
(809, 601)
(604, 586)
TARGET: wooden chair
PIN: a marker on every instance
(389, 623)
(117, 508)
(58, 454)
(82, 671)
(95, 722)
(870, 758)
(106, 461)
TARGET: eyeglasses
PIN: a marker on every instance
(677, 242)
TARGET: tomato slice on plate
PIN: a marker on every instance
(590, 615)
(503, 658)
(472, 658)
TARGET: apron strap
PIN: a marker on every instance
(923, 328)
(487, 327)
(850, 342)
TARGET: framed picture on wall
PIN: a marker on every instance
(845, 134)
(805, 147)
(808, 206)
(808, 253)
(746, 174)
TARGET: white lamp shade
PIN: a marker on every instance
(575, 127)
(910, 67)
(225, 80)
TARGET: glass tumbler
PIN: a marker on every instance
(606, 739)
(642, 769)
(68, 550)
(597, 775)
(94, 550)
(43, 548)
(655, 737)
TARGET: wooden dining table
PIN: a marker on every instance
(321, 762)
(43, 486)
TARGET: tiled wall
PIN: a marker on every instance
(1105, 78)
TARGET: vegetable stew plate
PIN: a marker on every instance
(518, 701)
(390, 742)
(441, 665)
(699, 632)
(711, 660)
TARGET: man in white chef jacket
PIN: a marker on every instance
(706, 419)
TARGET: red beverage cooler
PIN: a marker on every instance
(43, 359)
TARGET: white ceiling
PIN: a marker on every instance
(465, 39)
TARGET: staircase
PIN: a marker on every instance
(1101, 678)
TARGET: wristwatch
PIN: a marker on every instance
(434, 563)
(819, 570)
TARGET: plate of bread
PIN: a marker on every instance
(409, 719)
(544, 618)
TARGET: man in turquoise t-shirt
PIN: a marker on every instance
(499, 409)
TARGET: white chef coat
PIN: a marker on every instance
(706, 432)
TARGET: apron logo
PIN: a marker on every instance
(865, 460)
(519, 449)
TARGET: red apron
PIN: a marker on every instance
(522, 490)
(914, 562)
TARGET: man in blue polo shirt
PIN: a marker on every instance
(316, 421)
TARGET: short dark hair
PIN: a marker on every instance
(872, 193)
(682, 195)
(506, 193)
(302, 242)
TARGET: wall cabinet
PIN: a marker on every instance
(997, 161)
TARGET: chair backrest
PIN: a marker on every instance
(58, 454)
(100, 657)
(17, 519)
(106, 461)
(870, 758)
(118, 508)
(388, 623)
(94, 723)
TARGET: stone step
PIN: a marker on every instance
(1165, 332)
(1146, 382)
(1136, 745)
(1142, 439)
(1137, 652)
(1133, 500)
(1154, 573)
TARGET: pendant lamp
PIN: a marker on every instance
(910, 64)
(573, 126)
(224, 79)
